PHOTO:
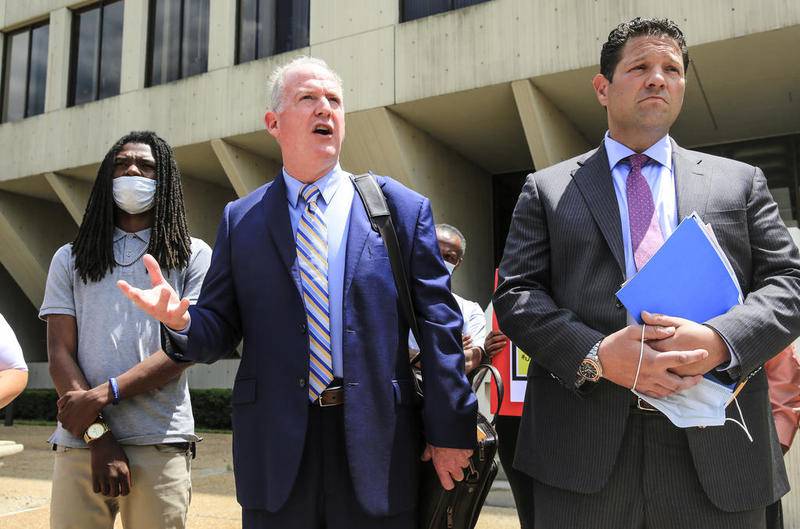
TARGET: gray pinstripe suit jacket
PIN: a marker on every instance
(563, 263)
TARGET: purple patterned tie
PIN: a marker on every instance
(646, 236)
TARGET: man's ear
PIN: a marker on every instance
(600, 84)
(271, 122)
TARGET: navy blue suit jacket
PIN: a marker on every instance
(249, 293)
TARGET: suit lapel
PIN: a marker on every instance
(691, 182)
(357, 234)
(277, 222)
(594, 180)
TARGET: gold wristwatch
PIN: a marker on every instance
(95, 431)
(590, 370)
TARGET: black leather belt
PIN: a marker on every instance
(333, 396)
(642, 405)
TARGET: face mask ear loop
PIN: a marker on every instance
(742, 424)
(641, 355)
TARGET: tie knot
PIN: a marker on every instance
(310, 193)
(638, 161)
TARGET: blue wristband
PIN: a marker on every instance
(114, 390)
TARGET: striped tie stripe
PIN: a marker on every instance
(312, 258)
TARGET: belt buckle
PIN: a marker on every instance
(644, 405)
(323, 405)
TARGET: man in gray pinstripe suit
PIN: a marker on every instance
(600, 457)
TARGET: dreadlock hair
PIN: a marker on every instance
(170, 243)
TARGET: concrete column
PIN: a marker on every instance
(245, 170)
(221, 35)
(31, 231)
(134, 45)
(74, 194)
(460, 192)
(204, 205)
(58, 60)
(551, 137)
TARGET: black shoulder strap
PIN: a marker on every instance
(381, 219)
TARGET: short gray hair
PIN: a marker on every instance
(452, 231)
(276, 80)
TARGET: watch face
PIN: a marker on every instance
(588, 370)
(95, 430)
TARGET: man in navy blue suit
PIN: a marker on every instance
(325, 432)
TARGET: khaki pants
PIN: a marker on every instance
(161, 490)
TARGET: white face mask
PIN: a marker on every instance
(134, 194)
(701, 405)
(450, 267)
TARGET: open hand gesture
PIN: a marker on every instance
(161, 301)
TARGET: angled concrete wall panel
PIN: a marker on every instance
(31, 231)
(550, 135)
(246, 171)
(460, 192)
(74, 194)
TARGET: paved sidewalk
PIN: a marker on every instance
(25, 485)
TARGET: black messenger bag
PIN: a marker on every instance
(438, 508)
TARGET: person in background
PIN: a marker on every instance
(783, 375)
(507, 427)
(13, 370)
(453, 246)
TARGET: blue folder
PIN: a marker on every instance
(688, 277)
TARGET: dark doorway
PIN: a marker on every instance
(505, 192)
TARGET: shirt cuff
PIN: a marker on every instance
(175, 342)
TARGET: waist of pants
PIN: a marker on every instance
(639, 405)
(331, 396)
(183, 447)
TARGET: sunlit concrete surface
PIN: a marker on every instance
(25, 485)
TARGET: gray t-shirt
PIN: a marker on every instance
(114, 335)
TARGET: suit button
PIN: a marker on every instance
(301, 382)
(303, 328)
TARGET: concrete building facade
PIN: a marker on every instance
(458, 105)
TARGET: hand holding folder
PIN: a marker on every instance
(689, 277)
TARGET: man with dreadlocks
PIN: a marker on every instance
(134, 457)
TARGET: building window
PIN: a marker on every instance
(96, 52)
(269, 27)
(178, 40)
(414, 9)
(25, 72)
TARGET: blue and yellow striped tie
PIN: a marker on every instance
(312, 256)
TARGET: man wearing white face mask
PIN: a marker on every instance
(124, 453)
(453, 245)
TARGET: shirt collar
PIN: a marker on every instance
(327, 185)
(660, 151)
(143, 235)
